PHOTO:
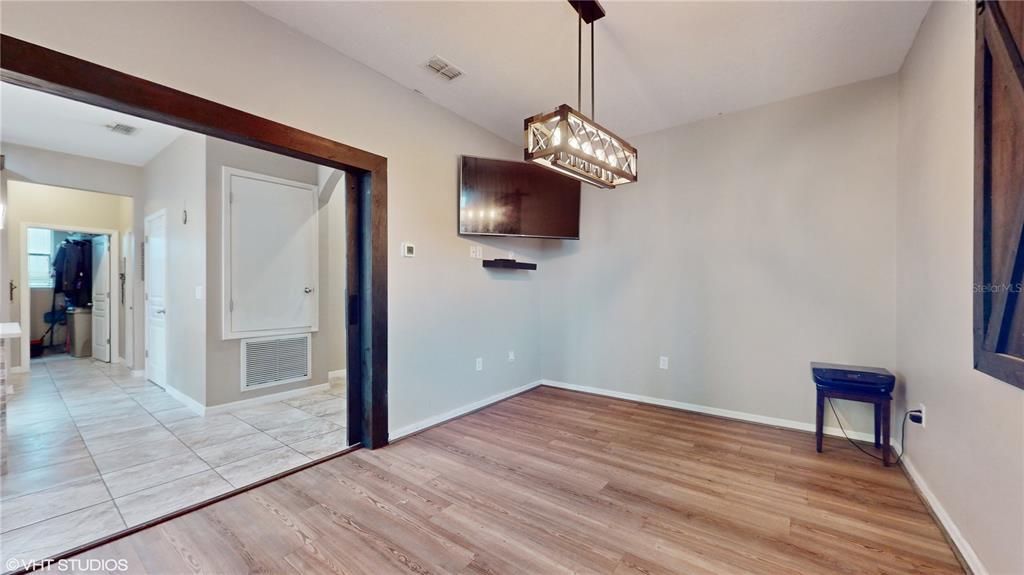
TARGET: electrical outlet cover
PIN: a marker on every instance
(663, 362)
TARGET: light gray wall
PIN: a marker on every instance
(38, 166)
(331, 345)
(224, 356)
(971, 454)
(175, 180)
(444, 309)
(752, 244)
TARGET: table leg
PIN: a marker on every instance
(886, 444)
(819, 421)
(878, 425)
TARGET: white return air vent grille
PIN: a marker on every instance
(268, 361)
(444, 68)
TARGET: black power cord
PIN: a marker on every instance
(903, 431)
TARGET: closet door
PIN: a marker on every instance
(999, 191)
(270, 256)
(101, 298)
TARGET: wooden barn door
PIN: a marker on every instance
(999, 191)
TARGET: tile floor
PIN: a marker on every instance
(88, 449)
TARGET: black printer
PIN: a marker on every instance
(834, 376)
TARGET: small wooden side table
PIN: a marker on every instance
(883, 408)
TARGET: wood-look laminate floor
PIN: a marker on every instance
(554, 481)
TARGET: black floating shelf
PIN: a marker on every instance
(508, 264)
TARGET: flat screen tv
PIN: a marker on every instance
(501, 198)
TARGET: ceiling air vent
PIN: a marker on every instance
(123, 129)
(444, 68)
(268, 361)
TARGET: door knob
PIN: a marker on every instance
(161, 311)
(308, 290)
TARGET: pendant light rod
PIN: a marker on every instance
(579, 63)
(593, 100)
(589, 10)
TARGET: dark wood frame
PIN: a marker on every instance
(32, 66)
(993, 307)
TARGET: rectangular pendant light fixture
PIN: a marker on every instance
(569, 142)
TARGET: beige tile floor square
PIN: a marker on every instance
(88, 449)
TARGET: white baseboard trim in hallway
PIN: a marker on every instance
(962, 545)
(396, 434)
(337, 374)
(279, 396)
(187, 401)
(138, 372)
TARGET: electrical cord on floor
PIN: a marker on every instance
(903, 432)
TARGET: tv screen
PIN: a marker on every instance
(501, 198)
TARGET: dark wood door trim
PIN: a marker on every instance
(39, 68)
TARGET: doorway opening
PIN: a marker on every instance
(69, 274)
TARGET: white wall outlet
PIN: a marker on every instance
(476, 252)
(199, 292)
(408, 250)
(663, 362)
(479, 364)
(511, 356)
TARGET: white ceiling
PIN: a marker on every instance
(658, 64)
(32, 118)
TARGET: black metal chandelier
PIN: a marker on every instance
(569, 142)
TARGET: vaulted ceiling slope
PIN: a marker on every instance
(658, 64)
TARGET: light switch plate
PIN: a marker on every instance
(476, 252)
(408, 250)
(663, 362)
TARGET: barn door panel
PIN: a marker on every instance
(999, 191)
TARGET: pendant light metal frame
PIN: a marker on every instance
(569, 142)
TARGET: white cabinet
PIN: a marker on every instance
(270, 255)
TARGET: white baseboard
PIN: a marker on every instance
(728, 413)
(962, 545)
(336, 374)
(18, 369)
(401, 432)
(138, 372)
(279, 396)
(187, 400)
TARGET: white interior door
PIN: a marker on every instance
(155, 262)
(5, 270)
(101, 298)
(272, 255)
(128, 295)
